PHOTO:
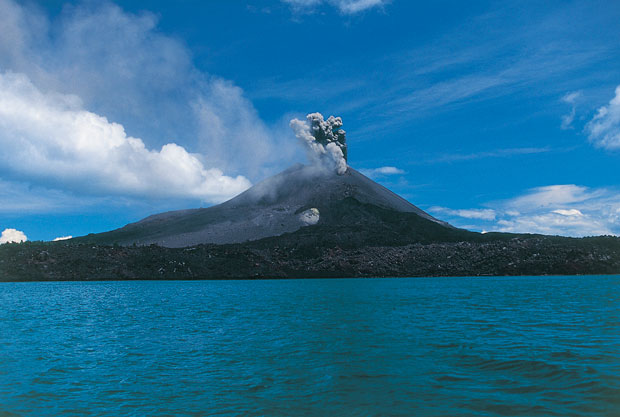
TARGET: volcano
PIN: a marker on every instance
(303, 196)
(324, 219)
(306, 222)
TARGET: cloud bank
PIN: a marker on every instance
(604, 129)
(50, 138)
(12, 236)
(100, 101)
(566, 210)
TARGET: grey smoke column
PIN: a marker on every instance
(324, 139)
(328, 131)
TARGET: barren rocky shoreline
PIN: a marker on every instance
(535, 255)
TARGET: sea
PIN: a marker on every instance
(467, 346)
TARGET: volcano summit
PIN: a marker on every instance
(301, 196)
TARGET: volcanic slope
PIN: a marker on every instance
(301, 197)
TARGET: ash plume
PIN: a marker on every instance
(324, 140)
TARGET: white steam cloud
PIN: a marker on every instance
(310, 217)
(324, 140)
(12, 236)
(61, 238)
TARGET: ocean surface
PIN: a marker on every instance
(509, 346)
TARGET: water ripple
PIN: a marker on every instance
(526, 346)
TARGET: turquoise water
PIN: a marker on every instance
(511, 346)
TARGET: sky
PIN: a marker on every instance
(491, 115)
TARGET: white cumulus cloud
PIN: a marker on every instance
(570, 212)
(551, 196)
(565, 210)
(553, 223)
(115, 105)
(50, 138)
(604, 129)
(12, 236)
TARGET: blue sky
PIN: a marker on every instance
(490, 115)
